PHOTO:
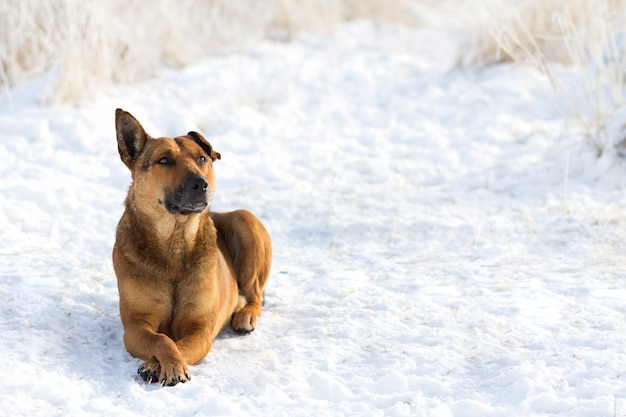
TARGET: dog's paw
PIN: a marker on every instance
(170, 374)
(149, 371)
(244, 321)
(173, 373)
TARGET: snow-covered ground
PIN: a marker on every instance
(445, 242)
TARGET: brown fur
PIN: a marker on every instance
(183, 272)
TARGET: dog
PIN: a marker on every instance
(183, 272)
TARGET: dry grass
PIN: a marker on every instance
(510, 31)
(85, 44)
(92, 43)
(587, 35)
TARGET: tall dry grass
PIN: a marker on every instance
(90, 43)
(589, 36)
(85, 44)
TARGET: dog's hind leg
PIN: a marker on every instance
(251, 250)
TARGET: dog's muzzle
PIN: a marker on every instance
(192, 196)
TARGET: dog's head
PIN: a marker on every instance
(174, 174)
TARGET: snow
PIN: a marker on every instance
(446, 242)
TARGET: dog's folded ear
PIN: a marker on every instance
(205, 145)
(131, 137)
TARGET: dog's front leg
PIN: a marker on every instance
(194, 347)
(192, 329)
(163, 360)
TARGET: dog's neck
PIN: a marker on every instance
(179, 228)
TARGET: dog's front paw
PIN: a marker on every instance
(149, 371)
(170, 374)
(173, 373)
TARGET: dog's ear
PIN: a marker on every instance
(205, 145)
(131, 137)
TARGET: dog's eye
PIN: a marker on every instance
(165, 161)
(202, 160)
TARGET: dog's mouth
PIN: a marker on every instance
(186, 209)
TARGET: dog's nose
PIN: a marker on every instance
(196, 183)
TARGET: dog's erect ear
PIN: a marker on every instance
(205, 145)
(131, 137)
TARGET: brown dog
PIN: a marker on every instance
(182, 271)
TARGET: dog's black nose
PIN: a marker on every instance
(196, 183)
